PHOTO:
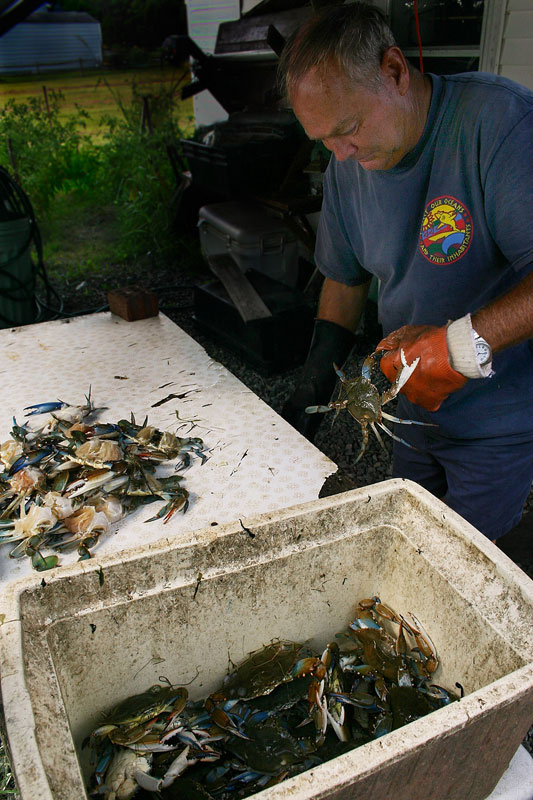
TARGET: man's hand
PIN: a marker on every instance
(434, 379)
(307, 394)
(330, 343)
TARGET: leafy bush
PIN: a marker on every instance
(130, 167)
(50, 153)
(138, 174)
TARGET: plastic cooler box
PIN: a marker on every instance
(91, 634)
(253, 238)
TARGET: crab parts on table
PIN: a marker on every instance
(70, 477)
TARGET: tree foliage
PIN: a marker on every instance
(141, 23)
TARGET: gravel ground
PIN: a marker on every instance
(340, 441)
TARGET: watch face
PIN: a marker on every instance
(483, 352)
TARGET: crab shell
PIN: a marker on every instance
(110, 506)
(142, 707)
(263, 670)
(9, 452)
(26, 479)
(61, 506)
(39, 519)
(120, 780)
(86, 520)
(99, 450)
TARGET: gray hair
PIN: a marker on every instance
(353, 37)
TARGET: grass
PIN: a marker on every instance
(100, 92)
(7, 784)
(80, 238)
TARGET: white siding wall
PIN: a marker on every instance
(507, 40)
(516, 58)
(203, 19)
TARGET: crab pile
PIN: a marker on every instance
(283, 710)
(65, 480)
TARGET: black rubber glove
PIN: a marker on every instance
(331, 343)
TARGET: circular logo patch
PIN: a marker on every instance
(446, 231)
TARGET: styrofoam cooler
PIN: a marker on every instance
(89, 635)
(254, 238)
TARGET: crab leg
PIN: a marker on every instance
(424, 643)
(364, 442)
(396, 438)
(180, 501)
(378, 437)
(391, 418)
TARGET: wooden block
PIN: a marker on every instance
(133, 302)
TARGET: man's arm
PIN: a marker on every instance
(503, 322)
(338, 315)
(508, 319)
(342, 304)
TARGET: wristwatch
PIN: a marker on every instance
(483, 350)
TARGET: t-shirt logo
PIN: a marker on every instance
(446, 231)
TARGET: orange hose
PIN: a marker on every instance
(419, 38)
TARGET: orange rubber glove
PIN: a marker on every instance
(434, 379)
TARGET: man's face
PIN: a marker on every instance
(370, 127)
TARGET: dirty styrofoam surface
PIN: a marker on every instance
(257, 462)
(183, 608)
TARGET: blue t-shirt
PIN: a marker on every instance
(447, 230)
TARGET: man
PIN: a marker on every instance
(430, 188)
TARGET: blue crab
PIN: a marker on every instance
(258, 675)
(133, 731)
(364, 402)
(130, 720)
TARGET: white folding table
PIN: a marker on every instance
(256, 462)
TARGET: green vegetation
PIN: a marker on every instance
(105, 195)
(98, 91)
(130, 23)
(7, 784)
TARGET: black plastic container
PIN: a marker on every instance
(248, 154)
(271, 344)
(252, 167)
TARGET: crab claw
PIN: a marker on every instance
(401, 379)
(44, 408)
(406, 371)
(29, 460)
(317, 409)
